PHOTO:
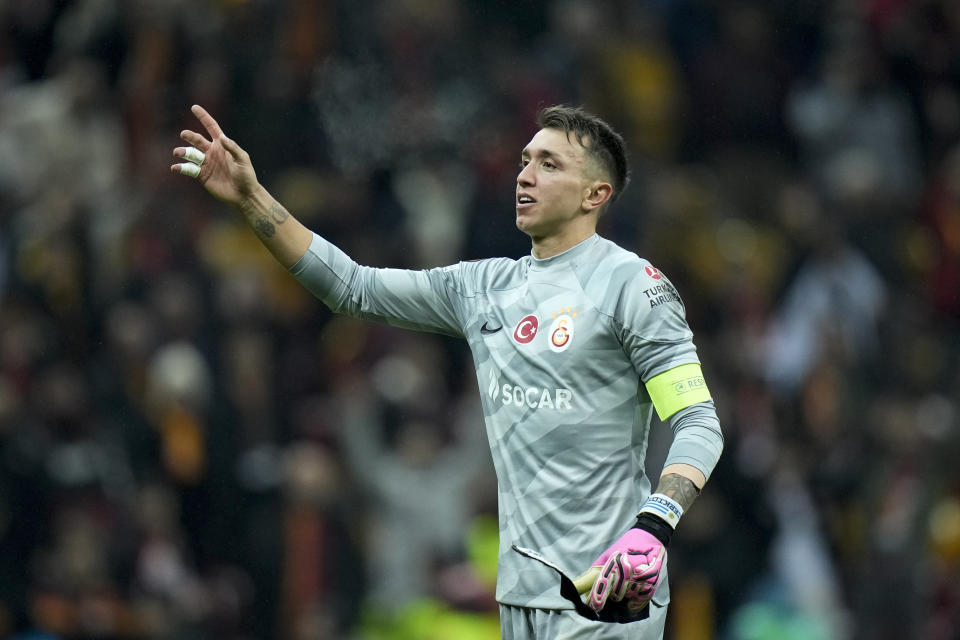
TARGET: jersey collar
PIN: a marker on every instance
(565, 257)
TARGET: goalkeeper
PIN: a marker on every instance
(575, 346)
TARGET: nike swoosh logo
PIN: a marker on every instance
(486, 330)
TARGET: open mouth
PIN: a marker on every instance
(523, 200)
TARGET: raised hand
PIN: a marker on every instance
(219, 164)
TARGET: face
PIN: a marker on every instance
(554, 184)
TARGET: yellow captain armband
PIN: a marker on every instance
(677, 389)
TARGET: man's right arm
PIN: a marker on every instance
(225, 170)
(422, 300)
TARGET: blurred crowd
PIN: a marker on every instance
(191, 447)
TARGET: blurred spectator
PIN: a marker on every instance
(833, 304)
(423, 484)
(857, 133)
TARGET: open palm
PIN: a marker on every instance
(225, 169)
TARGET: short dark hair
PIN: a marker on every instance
(602, 143)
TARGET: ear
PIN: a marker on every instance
(596, 195)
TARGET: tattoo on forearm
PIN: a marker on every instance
(264, 227)
(278, 214)
(678, 488)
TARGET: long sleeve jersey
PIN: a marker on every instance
(572, 355)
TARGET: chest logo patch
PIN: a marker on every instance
(561, 330)
(526, 329)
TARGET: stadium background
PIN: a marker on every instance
(192, 448)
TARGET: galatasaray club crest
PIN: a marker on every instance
(561, 331)
(526, 329)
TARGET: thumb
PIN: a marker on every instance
(232, 147)
(584, 582)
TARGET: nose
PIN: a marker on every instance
(526, 176)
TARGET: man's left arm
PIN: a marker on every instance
(659, 342)
(697, 444)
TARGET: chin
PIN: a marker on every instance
(524, 225)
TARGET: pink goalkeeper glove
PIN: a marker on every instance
(630, 571)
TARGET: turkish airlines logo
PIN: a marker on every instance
(526, 329)
(652, 272)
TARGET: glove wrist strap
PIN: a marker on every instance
(659, 516)
(655, 526)
(666, 508)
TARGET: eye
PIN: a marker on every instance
(524, 162)
(549, 165)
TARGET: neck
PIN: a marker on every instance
(549, 246)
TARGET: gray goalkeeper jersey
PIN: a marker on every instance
(563, 348)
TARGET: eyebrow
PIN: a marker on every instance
(544, 153)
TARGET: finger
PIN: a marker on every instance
(232, 147)
(207, 121)
(607, 582)
(639, 590)
(649, 569)
(598, 593)
(622, 571)
(645, 575)
(585, 582)
(194, 155)
(190, 154)
(187, 169)
(195, 139)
